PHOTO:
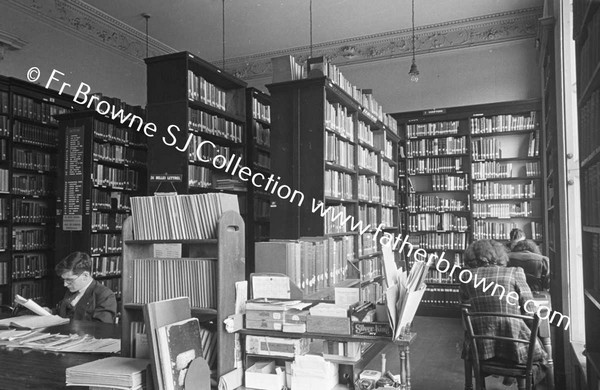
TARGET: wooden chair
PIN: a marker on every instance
(482, 368)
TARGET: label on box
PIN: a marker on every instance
(371, 329)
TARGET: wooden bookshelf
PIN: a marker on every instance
(472, 173)
(28, 157)
(228, 251)
(331, 145)
(102, 164)
(258, 151)
(587, 37)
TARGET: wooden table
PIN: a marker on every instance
(30, 369)
(402, 345)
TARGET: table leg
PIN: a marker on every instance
(402, 369)
(546, 341)
(407, 368)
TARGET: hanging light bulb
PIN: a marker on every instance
(413, 72)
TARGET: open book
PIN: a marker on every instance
(42, 319)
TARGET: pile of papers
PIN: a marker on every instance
(33, 339)
(404, 292)
(113, 372)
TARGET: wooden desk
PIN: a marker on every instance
(30, 369)
(403, 347)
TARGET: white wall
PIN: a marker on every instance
(48, 48)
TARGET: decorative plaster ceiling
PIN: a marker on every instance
(96, 26)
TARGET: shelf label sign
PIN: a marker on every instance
(167, 177)
(435, 111)
(73, 195)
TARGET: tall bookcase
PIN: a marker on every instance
(258, 152)
(28, 157)
(200, 113)
(101, 165)
(332, 147)
(587, 37)
(473, 172)
(228, 252)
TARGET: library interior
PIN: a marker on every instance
(276, 195)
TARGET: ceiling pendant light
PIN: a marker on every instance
(414, 72)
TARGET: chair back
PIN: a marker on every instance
(473, 337)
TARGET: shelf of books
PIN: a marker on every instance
(587, 37)
(472, 173)
(28, 158)
(102, 164)
(183, 245)
(334, 157)
(258, 151)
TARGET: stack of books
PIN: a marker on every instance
(112, 372)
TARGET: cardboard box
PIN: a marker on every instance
(264, 324)
(381, 329)
(265, 376)
(333, 325)
(276, 346)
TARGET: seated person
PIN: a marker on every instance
(86, 299)
(487, 259)
(527, 255)
(516, 235)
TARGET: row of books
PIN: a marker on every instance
(338, 151)
(388, 216)
(369, 268)
(589, 53)
(205, 123)
(199, 177)
(118, 153)
(335, 219)
(4, 102)
(3, 149)
(448, 296)
(368, 159)
(387, 148)
(372, 292)
(339, 184)
(105, 221)
(432, 129)
(106, 265)
(103, 243)
(159, 279)
(115, 285)
(436, 147)
(440, 241)
(388, 195)
(199, 89)
(368, 189)
(125, 178)
(486, 148)
(434, 165)
(594, 244)
(485, 230)
(24, 184)
(388, 172)
(500, 191)
(491, 170)
(107, 199)
(4, 238)
(33, 265)
(589, 123)
(262, 134)
(262, 208)
(504, 123)
(33, 159)
(420, 202)
(368, 215)
(261, 111)
(32, 134)
(502, 210)
(29, 108)
(30, 211)
(202, 150)
(339, 120)
(367, 245)
(312, 263)
(29, 239)
(437, 222)
(364, 97)
(36, 290)
(365, 134)
(4, 278)
(180, 216)
(449, 183)
(111, 132)
(4, 212)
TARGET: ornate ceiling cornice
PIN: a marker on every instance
(9, 42)
(484, 30)
(76, 16)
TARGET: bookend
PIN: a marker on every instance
(198, 375)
